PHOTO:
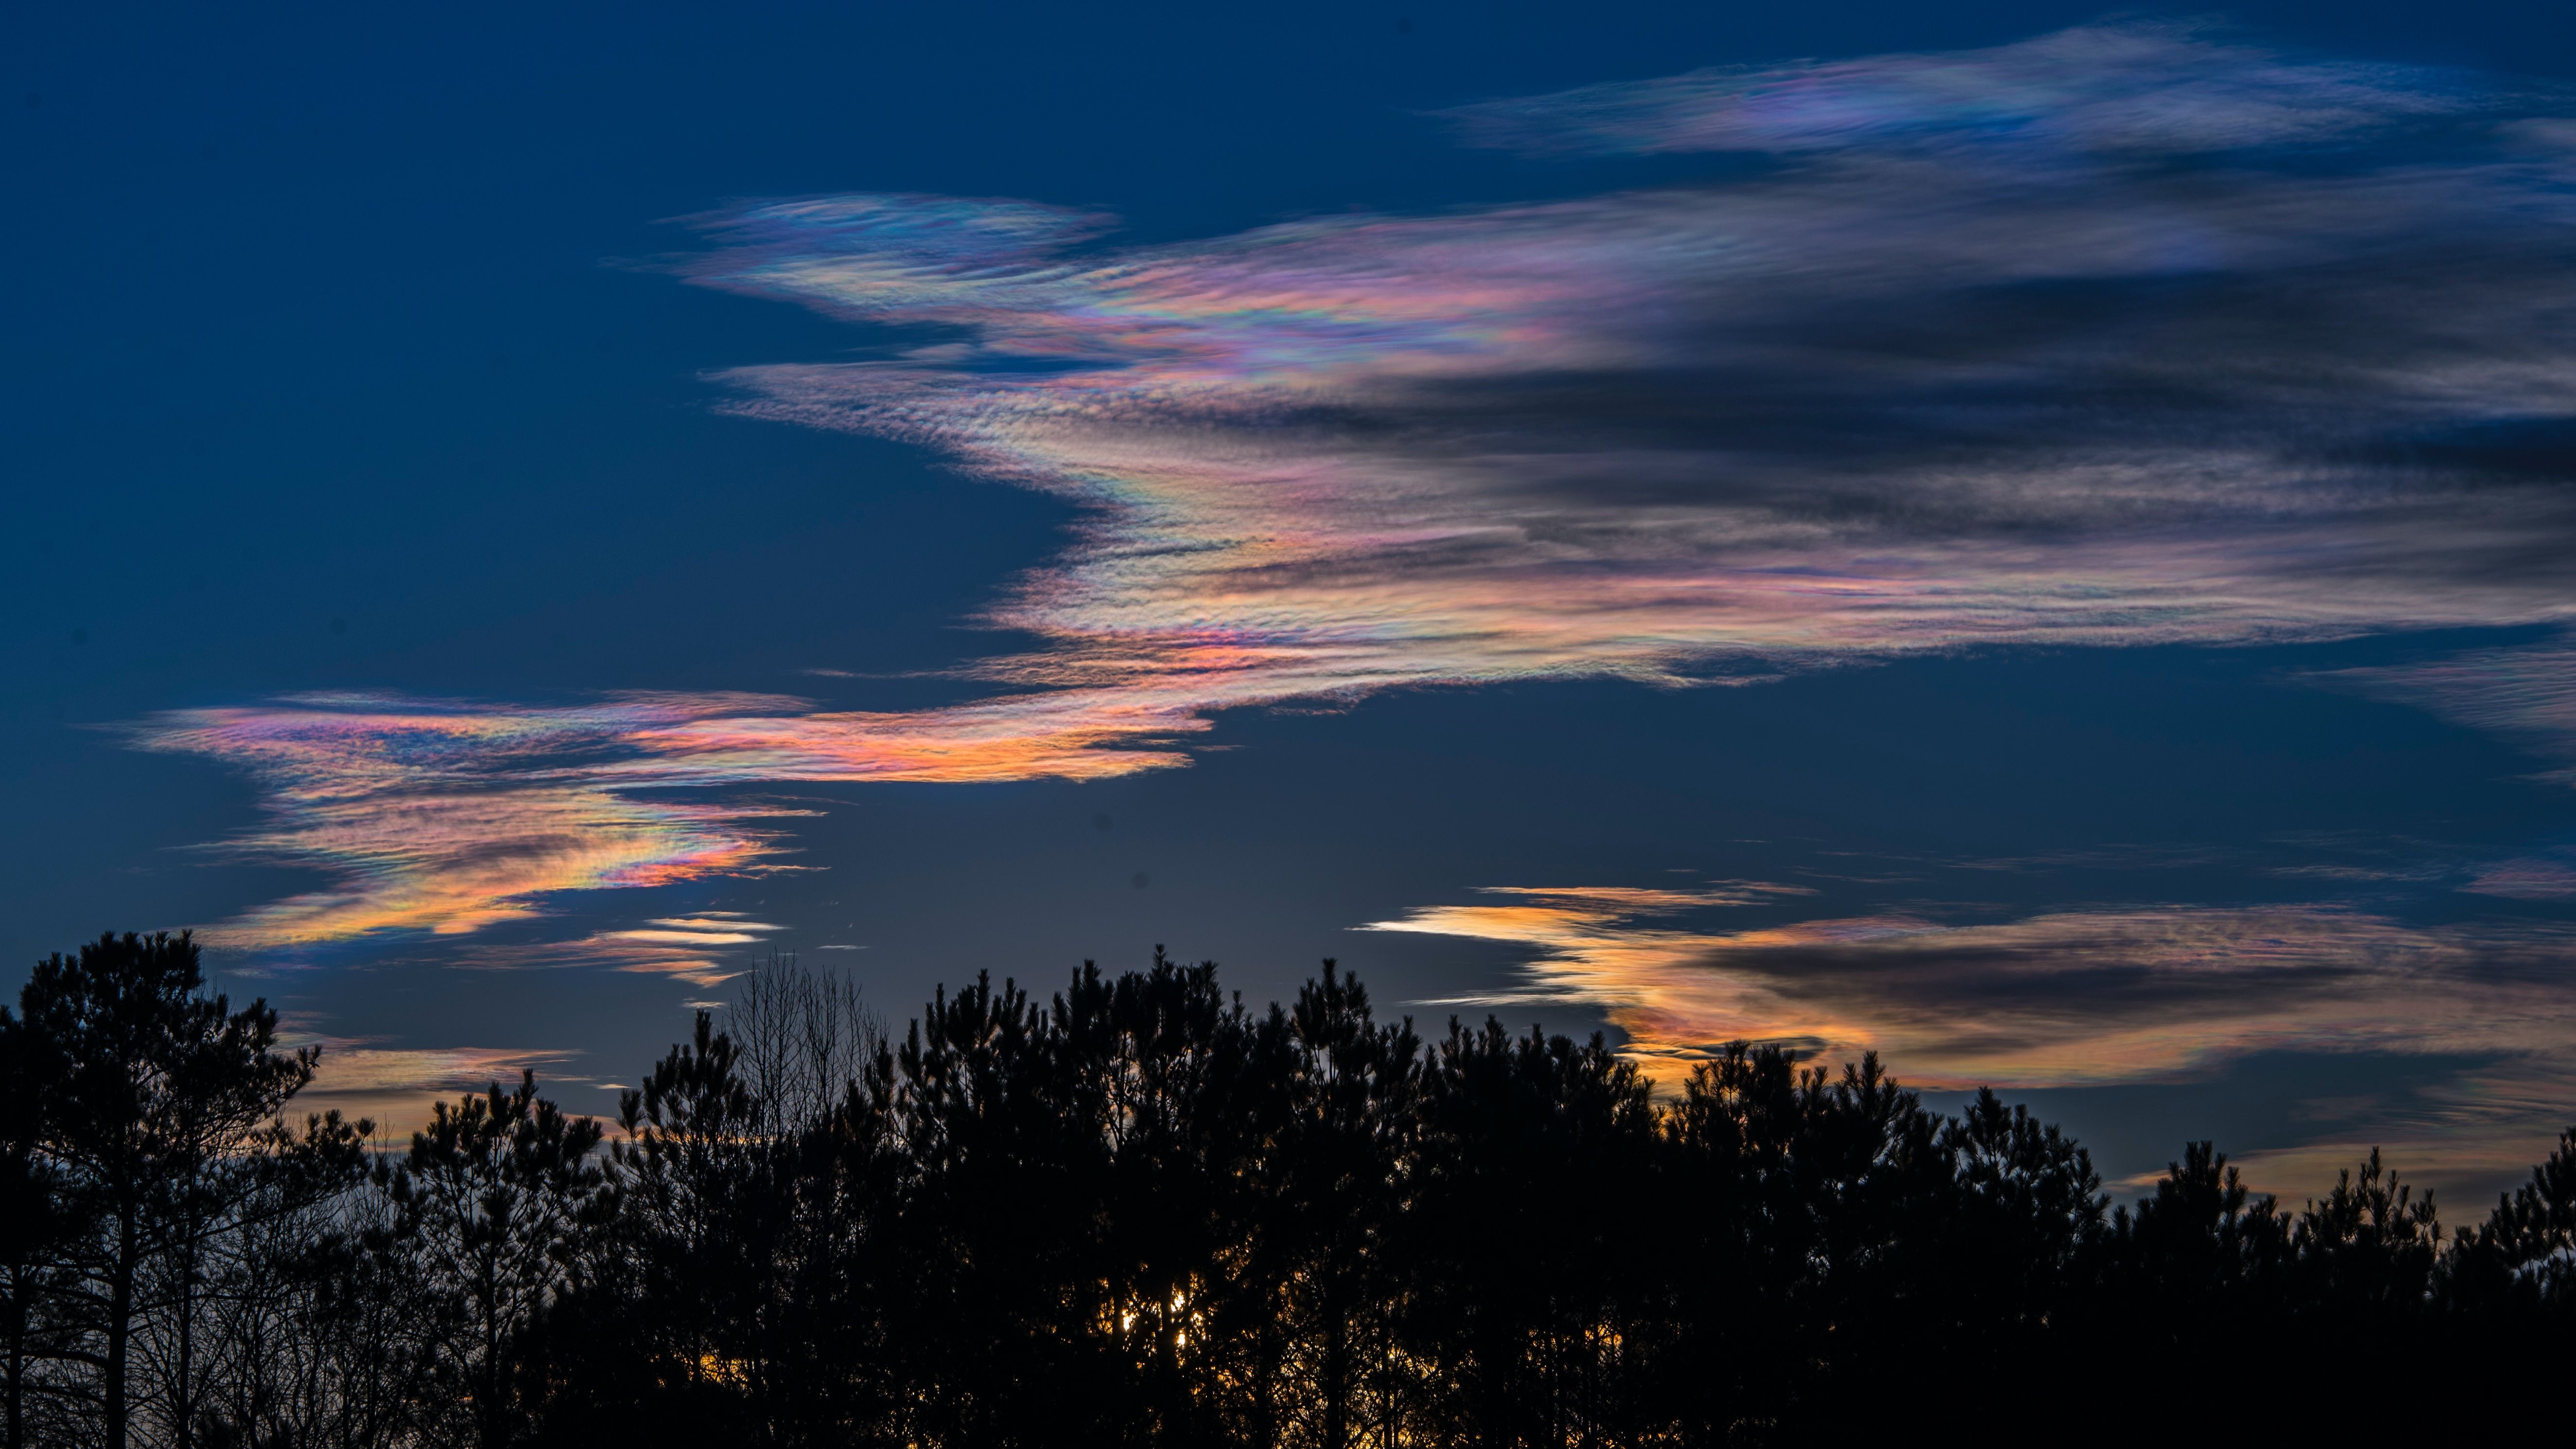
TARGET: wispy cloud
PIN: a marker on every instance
(2528, 878)
(705, 949)
(2158, 89)
(2117, 336)
(2524, 692)
(2071, 998)
(447, 818)
(2470, 1133)
(394, 1086)
(2077, 998)
(2063, 376)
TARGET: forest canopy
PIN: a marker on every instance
(1140, 1212)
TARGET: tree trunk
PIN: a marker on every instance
(487, 1396)
(185, 1408)
(1337, 1378)
(120, 1319)
(18, 1283)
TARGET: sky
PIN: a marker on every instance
(2036, 543)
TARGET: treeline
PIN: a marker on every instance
(1140, 1213)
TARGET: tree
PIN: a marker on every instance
(2530, 1238)
(38, 1223)
(735, 1292)
(499, 1202)
(2202, 1236)
(1352, 1091)
(272, 1370)
(1521, 1274)
(994, 1224)
(153, 1086)
(702, 1224)
(2369, 1246)
(1142, 1215)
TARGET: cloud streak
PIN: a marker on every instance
(2072, 998)
(2142, 89)
(393, 1086)
(2525, 692)
(446, 818)
(2119, 336)
(2077, 998)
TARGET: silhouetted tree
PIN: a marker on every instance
(266, 1374)
(499, 1202)
(1141, 1214)
(2202, 1235)
(1352, 1121)
(1523, 1277)
(153, 1089)
(802, 1037)
(2368, 1248)
(39, 1224)
(702, 1222)
(2525, 1252)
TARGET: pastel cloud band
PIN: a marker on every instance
(1893, 396)
(2079, 998)
(447, 818)
(2119, 336)
(2072, 998)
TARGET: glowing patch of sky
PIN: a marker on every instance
(391, 1086)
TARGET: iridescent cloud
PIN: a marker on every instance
(704, 949)
(2117, 336)
(2100, 88)
(2086, 339)
(447, 818)
(2074, 998)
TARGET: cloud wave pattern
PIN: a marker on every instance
(2077, 998)
(2119, 336)
(445, 818)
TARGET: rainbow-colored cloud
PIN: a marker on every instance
(2117, 336)
(446, 818)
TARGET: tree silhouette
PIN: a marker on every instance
(260, 1377)
(1520, 1271)
(40, 1220)
(2526, 1249)
(1139, 1213)
(151, 1088)
(499, 1203)
(2369, 1245)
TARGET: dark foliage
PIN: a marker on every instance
(1140, 1213)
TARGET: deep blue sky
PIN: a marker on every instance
(354, 352)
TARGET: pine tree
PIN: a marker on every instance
(39, 1222)
(154, 1087)
(500, 1205)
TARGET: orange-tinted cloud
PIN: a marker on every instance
(2115, 337)
(447, 818)
(2063, 999)
(2077, 998)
